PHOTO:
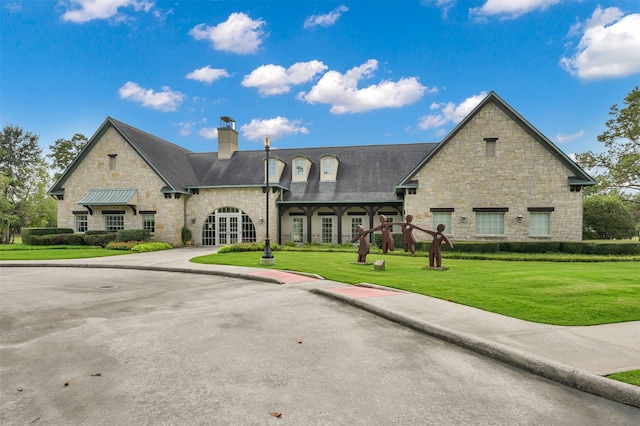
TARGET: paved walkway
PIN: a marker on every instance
(574, 356)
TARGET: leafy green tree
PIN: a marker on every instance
(606, 217)
(23, 180)
(619, 165)
(64, 151)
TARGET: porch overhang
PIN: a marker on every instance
(110, 197)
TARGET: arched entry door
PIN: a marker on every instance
(228, 225)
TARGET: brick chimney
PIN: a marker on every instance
(227, 138)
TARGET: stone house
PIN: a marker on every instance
(493, 177)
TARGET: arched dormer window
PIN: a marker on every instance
(275, 168)
(328, 167)
(300, 166)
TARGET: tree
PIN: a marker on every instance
(23, 180)
(620, 163)
(64, 151)
(606, 217)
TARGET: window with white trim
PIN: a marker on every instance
(327, 230)
(299, 167)
(113, 222)
(81, 223)
(298, 229)
(149, 222)
(355, 221)
(442, 218)
(272, 168)
(490, 223)
(327, 166)
(540, 224)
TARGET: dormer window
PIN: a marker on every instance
(300, 168)
(272, 168)
(329, 167)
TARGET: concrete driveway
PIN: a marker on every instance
(130, 347)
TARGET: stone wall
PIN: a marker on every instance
(251, 201)
(131, 171)
(522, 174)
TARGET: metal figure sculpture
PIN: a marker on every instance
(363, 250)
(435, 256)
(408, 240)
(387, 238)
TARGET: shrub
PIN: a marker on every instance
(121, 245)
(397, 239)
(133, 235)
(152, 246)
(240, 247)
(101, 239)
(27, 233)
(58, 240)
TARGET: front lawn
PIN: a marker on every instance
(560, 293)
(27, 252)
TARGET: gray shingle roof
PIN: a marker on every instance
(365, 173)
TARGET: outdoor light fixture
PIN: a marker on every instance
(261, 220)
(193, 220)
(463, 218)
(519, 217)
(267, 257)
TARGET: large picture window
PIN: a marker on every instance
(442, 218)
(540, 224)
(489, 223)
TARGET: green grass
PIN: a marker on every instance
(560, 293)
(632, 377)
(25, 252)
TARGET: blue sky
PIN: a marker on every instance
(314, 73)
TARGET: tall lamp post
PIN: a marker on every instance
(267, 256)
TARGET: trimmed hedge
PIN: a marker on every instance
(397, 240)
(58, 240)
(575, 247)
(101, 239)
(28, 233)
(133, 235)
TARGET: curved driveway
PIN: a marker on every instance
(111, 346)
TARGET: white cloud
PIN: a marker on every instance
(561, 138)
(80, 11)
(238, 34)
(209, 132)
(276, 128)
(166, 100)
(511, 8)
(274, 79)
(342, 93)
(207, 74)
(449, 112)
(325, 20)
(609, 47)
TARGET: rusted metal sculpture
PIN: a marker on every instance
(435, 256)
(363, 238)
(408, 240)
(387, 239)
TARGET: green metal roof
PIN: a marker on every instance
(110, 197)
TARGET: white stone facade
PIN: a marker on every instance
(522, 174)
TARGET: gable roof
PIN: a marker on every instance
(579, 175)
(167, 160)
